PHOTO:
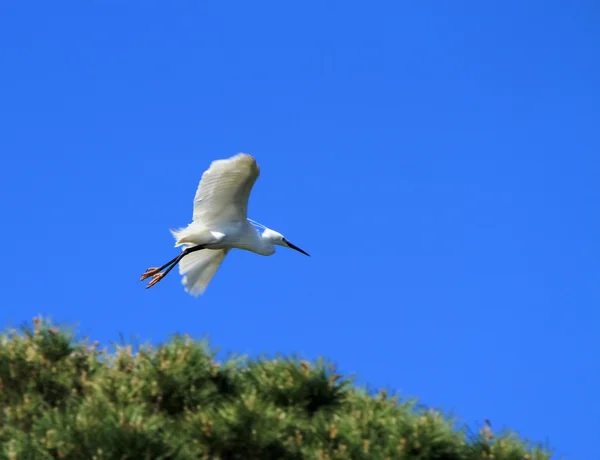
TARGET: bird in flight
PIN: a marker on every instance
(220, 223)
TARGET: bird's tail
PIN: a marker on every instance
(198, 269)
(190, 235)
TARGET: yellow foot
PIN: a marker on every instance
(148, 273)
(155, 279)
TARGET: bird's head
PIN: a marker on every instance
(278, 239)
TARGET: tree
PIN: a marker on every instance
(64, 398)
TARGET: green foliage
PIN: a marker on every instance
(60, 398)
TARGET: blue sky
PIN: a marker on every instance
(438, 160)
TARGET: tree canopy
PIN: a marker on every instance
(66, 398)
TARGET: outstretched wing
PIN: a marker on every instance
(199, 268)
(224, 189)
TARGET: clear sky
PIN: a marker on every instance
(439, 161)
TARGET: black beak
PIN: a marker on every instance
(296, 248)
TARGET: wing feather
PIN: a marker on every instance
(223, 192)
(199, 268)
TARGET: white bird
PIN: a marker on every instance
(220, 223)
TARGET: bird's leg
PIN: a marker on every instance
(158, 276)
(155, 272)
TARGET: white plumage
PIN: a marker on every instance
(220, 223)
(198, 268)
(224, 190)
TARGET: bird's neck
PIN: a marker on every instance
(267, 246)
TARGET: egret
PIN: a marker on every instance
(220, 223)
